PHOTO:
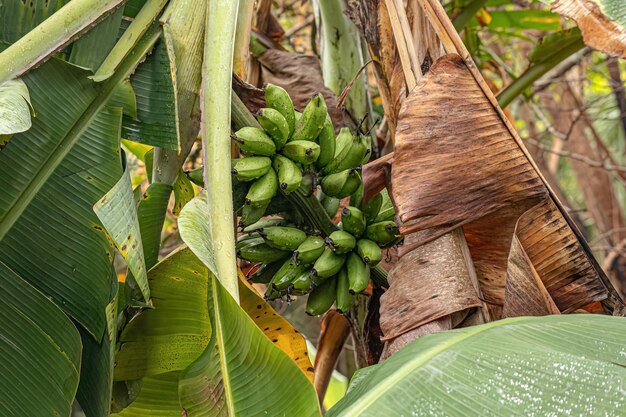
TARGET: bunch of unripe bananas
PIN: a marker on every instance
(331, 269)
(289, 144)
(289, 153)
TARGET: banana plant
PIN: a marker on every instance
(86, 83)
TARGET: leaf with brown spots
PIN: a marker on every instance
(118, 214)
(275, 327)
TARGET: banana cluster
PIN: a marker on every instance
(276, 154)
(290, 143)
(330, 269)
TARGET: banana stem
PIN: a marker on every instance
(312, 211)
(216, 96)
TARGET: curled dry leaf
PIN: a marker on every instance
(414, 298)
(525, 293)
(455, 166)
(565, 266)
(602, 22)
(252, 97)
(464, 167)
(301, 76)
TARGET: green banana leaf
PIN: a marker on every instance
(14, 109)
(57, 243)
(51, 176)
(183, 32)
(156, 119)
(158, 398)
(194, 225)
(173, 334)
(553, 365)
(96, 373)
(151, 212)
(218, 382)
(242, 372)
(118, 213)
(36, 335)
(92, 48)
(550, 45)
(17, 18)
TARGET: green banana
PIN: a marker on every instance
(251, 168)
(328, 143)
(286, 274)
(309, 250)
(277, 98)
(252, 213)
(341, 184)
(353, 183)
(303, 151)
(353, 221)
(259, 251)
(265, 273)
(275, 125)
(345, 300)
(321, 298)
(356, 199)
(386, 211)
(344, 138)
(383, 233)
(372, 208)
(309, 126)
(289, 174)
(272, 293)
(254, 141)
(358, 273)
(246, 239)
(369, 251)
(264, 223)
(263, 190)
(328, 264)
(341, 241)
(302, 283)
(283, 237)
(350, 156)
(331, 205)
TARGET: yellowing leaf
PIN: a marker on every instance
(275, 327)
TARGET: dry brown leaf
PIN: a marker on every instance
(435, 326)
(463, 167)
(525, 294)
(301, 76)
(599, 31)
(375, 176)
(334, 332)
(489, 241)
(426, 284)
(252, 97)
(559, 258)
(455, 161)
